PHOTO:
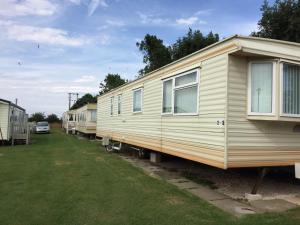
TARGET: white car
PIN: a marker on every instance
(42, 127)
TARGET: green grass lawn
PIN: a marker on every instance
(59, 179)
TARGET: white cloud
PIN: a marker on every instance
(204, 12)
(85, 79)
(116, 23)
(190, 21)
(93, 5)
(12, 8)
(45, 35)
(152, 20)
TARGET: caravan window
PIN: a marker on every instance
(261, 88)
(182, 97)
(137, 100)
(290, 89)
(93, 115)
(111, 106)
(119, 104)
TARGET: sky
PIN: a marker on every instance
(51, 47)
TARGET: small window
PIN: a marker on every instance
(261, 88)
(291, 89)
(167, 96)
(93, 115)
(111, 106)
(183, 97)
(137, 100)
(119, 104)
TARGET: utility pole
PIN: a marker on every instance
(70, 98)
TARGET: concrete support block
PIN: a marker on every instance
(253, 197)
(155, 157)
(297, 170)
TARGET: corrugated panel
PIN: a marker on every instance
(255, 143)
(193, 137)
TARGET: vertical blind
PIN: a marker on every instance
(167, 96)
(93, 115)
(119, 104)
(261, 87)
(291, 89)
(137, 100)
(186, 100)
(111, 106)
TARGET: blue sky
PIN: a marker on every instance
(80, 41)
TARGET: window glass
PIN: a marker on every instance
(119, 104)
(186, 79)
(261, 87)
(93, 115)
(291, 89)
(111, 106)
(167, 96)
(186, 100)
(137, 100)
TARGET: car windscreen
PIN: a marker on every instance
(42, 124)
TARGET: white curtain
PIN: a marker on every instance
(93, 115)
(186, 79)
(186, 100)
(261, 87)
(137, 101)
(291, 89)
(167, 96)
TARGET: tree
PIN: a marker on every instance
(191, 42)
(110, 82)
(156, 54)
(280, 21)
(37, 117)
(52, 118)
(87, 98)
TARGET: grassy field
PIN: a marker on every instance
(62, 180)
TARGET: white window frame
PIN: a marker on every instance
(142, 95)
(281, 92)
(274, 83)
(196, 83)
(111, 109)
(119, 104)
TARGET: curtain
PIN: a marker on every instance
(291, 89)
(186, 100)
(261, 87)
(167, 96)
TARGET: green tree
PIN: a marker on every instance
(191, 42)
(52, 118)
(156, 54)
(87, 98)
(37, 117)
(110, 82)
(280, 20)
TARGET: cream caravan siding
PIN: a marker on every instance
(4, 108)
(84, 124)
(193, 137)
(250, 142)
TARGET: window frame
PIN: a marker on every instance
(119, 104)
(274, 84)
(282, 114)
(111, 113)
(174, 88)
(142, 95)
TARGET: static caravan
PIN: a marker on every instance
(86, 119)
(13, 122)
(235, 103)
(69, 121)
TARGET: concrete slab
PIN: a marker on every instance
(273, 205)
(295, 200)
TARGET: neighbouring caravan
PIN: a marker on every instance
(69, 121)
(235, 103)
(13, 122)
(86, 119)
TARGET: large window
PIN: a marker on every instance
(93, 115)
(180, 94)
(290, 89)
(111, 106)
(119, 104)
(261, 88)
(137, 100)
